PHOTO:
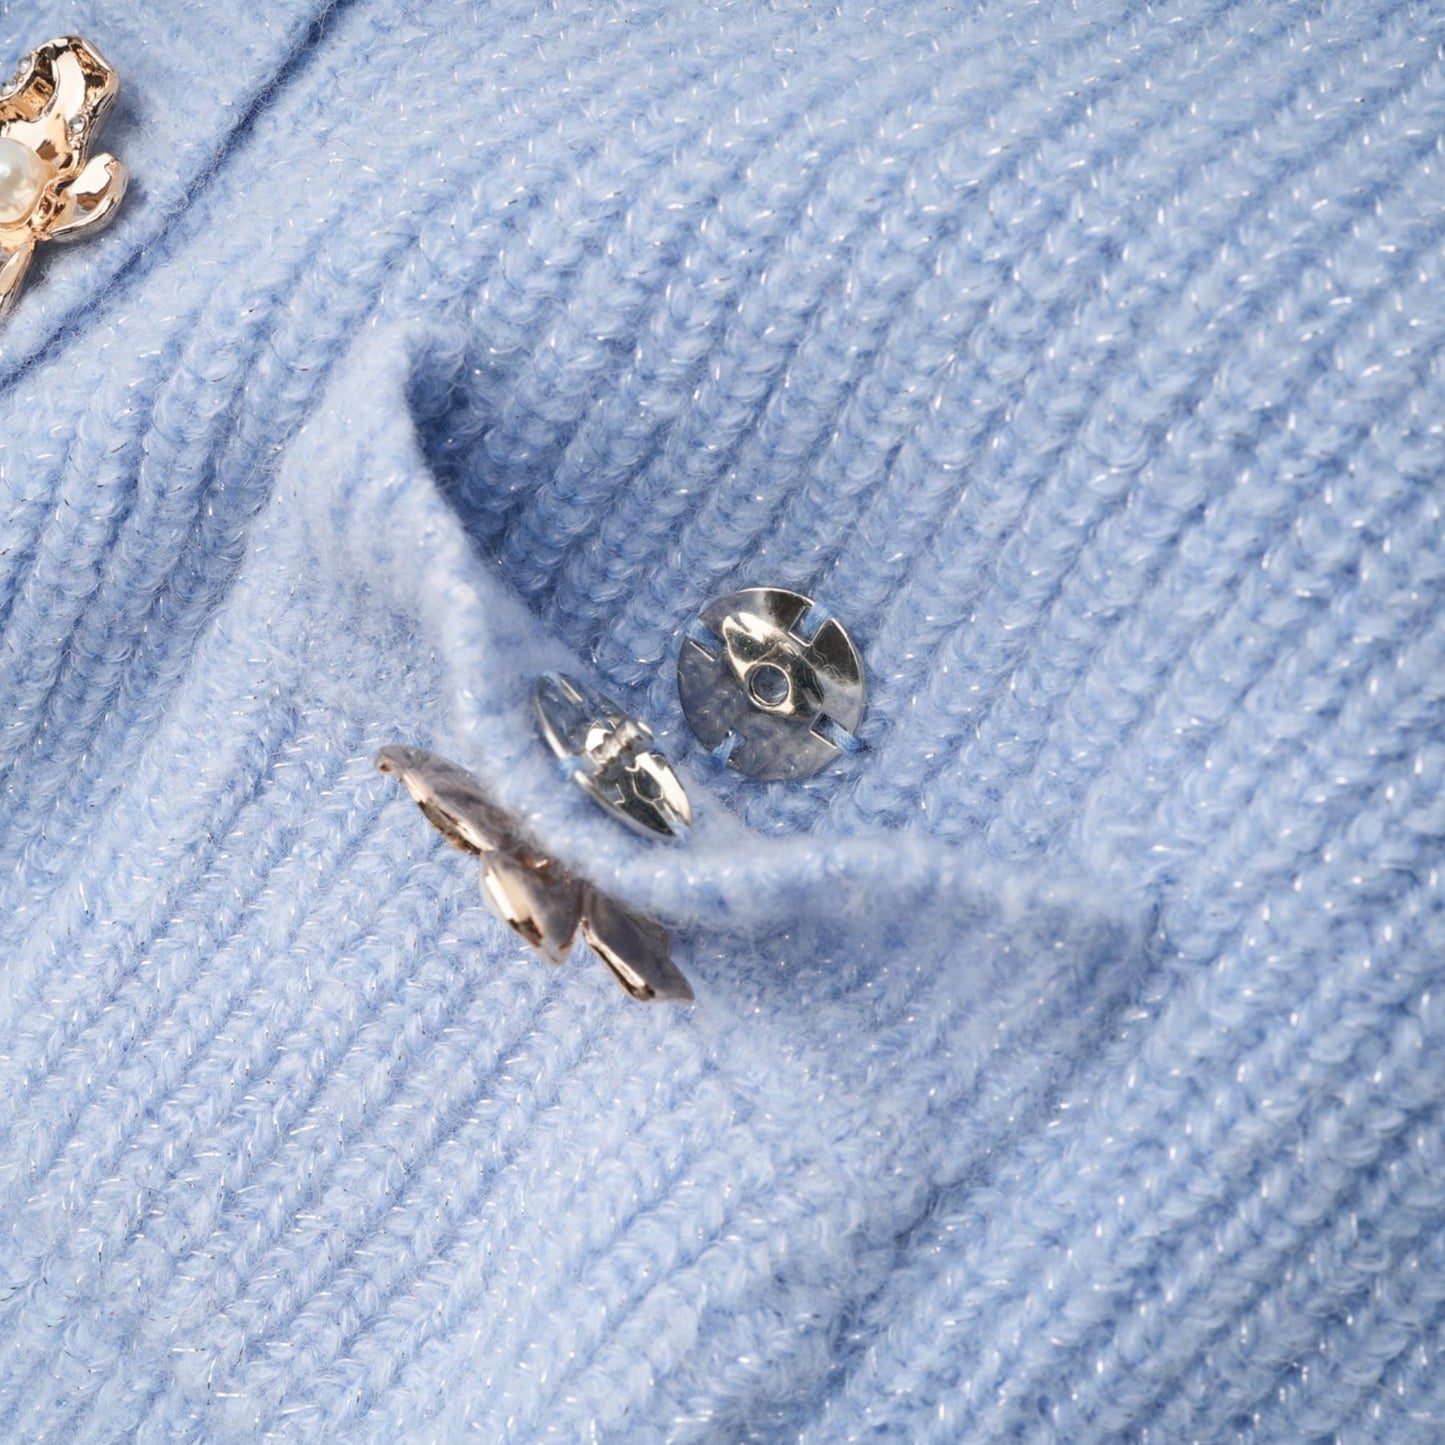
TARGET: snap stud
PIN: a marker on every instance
(771, 682)
(610, 756)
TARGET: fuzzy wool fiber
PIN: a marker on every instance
(1068, 1066)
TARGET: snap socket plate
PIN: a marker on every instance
(771, 682)
(610, 756)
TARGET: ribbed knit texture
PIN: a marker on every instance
(1071, 1065)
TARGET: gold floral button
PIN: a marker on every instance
(51, 187)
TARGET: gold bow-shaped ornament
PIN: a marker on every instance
(534, 894)
(51, 187)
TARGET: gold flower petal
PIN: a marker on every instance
(89, 201)
(12, 273)
(62, 102)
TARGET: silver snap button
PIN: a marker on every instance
(771, 682)
(610, 756)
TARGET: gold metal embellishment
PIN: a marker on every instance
(530, 892)
(51, 188)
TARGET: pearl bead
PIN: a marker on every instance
(22, 177)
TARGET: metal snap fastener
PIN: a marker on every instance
(611, 757)
(771, 681)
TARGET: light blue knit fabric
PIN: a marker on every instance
(1071, 1065)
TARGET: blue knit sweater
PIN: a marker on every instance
(1069, 1066)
